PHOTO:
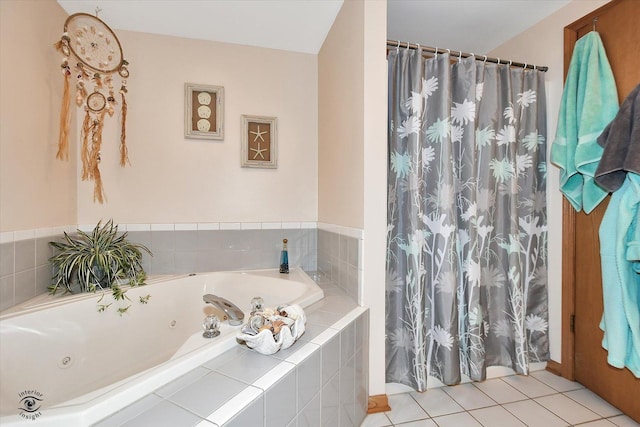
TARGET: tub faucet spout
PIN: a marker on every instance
(234, 314)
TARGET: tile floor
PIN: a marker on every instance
(539, 400)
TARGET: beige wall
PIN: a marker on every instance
(173, 179)
(542, 44)
(375, 184)
(341, 119)
(352, 79)
(36, 190)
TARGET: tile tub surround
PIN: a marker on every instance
(320, 381)
(340, 259)
(178, 251)
(25, 271)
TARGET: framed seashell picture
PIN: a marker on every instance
(259, 141)
(203, 111)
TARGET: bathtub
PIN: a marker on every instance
(64, 363)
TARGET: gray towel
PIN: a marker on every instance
(621, 142)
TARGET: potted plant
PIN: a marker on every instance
(99, 260)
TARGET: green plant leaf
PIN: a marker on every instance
(96, 260)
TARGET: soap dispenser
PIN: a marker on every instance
(284, 258)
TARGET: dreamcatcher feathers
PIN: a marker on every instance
(99, 57)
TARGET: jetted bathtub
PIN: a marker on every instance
(63, 363)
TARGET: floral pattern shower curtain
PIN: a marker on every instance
(466, 284)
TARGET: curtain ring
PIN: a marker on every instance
(510, 62)
(485, 59)
(460, 56)
(418, 46)
(436, 54)
(525, 66)
(498, 61)
(535, 67)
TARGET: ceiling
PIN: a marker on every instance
(301, 25)
(476, 26)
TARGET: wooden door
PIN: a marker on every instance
(617, 23)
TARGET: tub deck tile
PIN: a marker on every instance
(206, 395)
(247, 366)
(165, 414)
(143, 405)
(182, 382)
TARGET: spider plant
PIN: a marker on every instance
(97, 260)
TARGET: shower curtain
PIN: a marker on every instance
(466, 284)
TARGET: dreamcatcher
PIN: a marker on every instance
(97, 50)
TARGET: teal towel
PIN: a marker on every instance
(589, 103)
(620, 255)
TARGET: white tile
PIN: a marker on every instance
(376, 420)
(496, 416)
(229, 226)
(271, 225)
(209, 226)
(594, 402)
(436, 402)
(60, 230)
(186, 227)
(27, 234)
(324, 336)
(347, 317)
(44, 232)
(529, 385)
(324, 318)
(6, 237)
(138, 227)
(131, 411)
(308, 224)
(404, 408)
(182, 381)
(290, 225)
(162, 227)
(164, 414)
(419, 423)
(301, 353)
(457, 420)
(567, 409)
(500, 391)
(624, 421)
(469, 397)
(235, 405)
(534, 415)
(274, 375)
(207, 394)
(599, 423)
(251, 226)
(397, 388)
(248, 367)
(556, 381)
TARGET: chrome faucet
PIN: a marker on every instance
(234, 314)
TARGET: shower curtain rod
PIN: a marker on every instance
(454, 54)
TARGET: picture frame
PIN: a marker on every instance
(203, 111)
(259, 141)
